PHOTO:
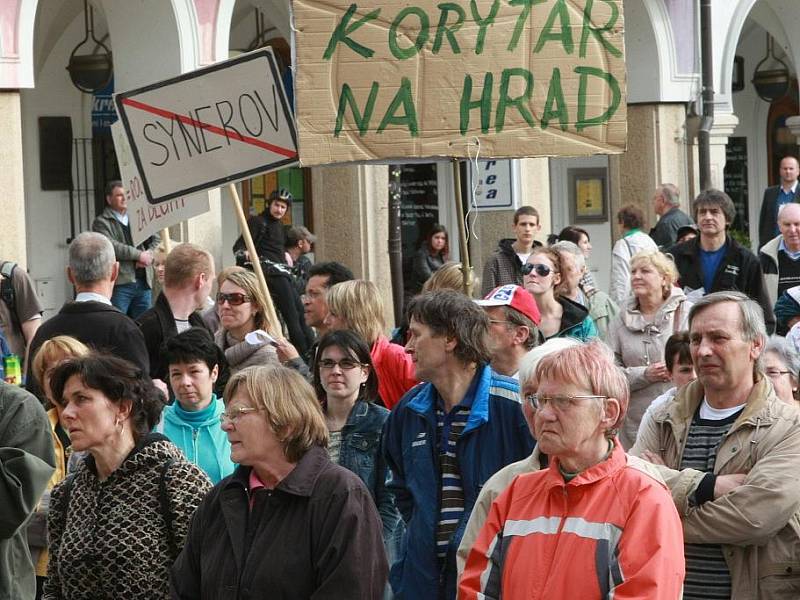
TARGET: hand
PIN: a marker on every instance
(145, 259)
(727, 483)
(162, 387)
(657, 372)
(285, 350)
(654, 458)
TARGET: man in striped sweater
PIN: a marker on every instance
(730, 453)
(446, 437)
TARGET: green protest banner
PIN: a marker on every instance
(384, 79)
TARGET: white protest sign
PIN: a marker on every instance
(145, 218)
(215, 125)
(493, 183)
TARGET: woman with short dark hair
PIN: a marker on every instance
(130, 501)
(632, 241)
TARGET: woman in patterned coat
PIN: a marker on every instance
(119, 521)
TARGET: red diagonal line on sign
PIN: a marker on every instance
(229, 133)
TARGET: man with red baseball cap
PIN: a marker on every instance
(513, 319)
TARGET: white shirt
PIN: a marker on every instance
(710, 413)
(120, 217)
(91, 297)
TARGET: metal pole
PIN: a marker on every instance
(395, 242)
(707, 122)
(466, 268)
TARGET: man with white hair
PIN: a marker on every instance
(729, 450)
(666, 203)
(500, 480)
(780, 257)
(91, 318)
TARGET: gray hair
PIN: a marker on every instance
(529, 362)
(785, 351)
(670, 193)
(752, 316)
(91, 257)
(574, 250)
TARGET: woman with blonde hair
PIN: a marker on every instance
(561, 317)
(50, 354)
(288, 520)
(655, 310)
(449, 276)
(358, 305)
(241, 306)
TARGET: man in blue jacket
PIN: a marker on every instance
(446, 437)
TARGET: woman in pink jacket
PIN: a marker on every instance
(357, 305)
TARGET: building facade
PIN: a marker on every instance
(48, 126)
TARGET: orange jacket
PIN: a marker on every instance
(612, 532)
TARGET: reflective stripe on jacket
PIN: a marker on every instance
(612, 532)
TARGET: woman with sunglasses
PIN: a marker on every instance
(347, 387)
(561, 317)
(593, 524)
(241, 307)
(288, 523)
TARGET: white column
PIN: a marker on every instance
(12, 198)
(723, 128)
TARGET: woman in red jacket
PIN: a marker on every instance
(596, 523)
(357, 305)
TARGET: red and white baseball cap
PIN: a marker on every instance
(516, 297)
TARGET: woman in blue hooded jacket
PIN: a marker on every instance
(192, 421)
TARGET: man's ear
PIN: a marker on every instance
(450, 344)
(114, 272)
(70, 276)
(521, 333)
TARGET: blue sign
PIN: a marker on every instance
(103, 111)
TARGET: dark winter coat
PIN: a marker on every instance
(316, 535)
(739, 271)
(503, 267)
(665, 233)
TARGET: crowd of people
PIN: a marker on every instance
(548, 439)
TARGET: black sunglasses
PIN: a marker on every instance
(235, 299)
(541, 270)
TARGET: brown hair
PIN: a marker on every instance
(184, 263)
(291, 408)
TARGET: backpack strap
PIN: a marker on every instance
(166, 509)
(7, 292)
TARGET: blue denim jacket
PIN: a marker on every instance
(361, 453)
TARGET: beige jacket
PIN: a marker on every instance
(757, 524)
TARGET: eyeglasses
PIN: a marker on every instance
(559, 403)
(499, 322)
(231, 416)
(346, 364)
(775, 373)
(541, 270)
(234, 299)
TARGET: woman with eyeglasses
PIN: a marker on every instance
(781, 363)
(561, 317)
(288, 523)
(357, 305)
(347, 387)
(241, 307)
(595, 523)
(117, 523)
(638, 335)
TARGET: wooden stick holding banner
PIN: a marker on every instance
(466, 268)
(272, 318)
(166, 241)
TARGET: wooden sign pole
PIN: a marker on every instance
(272, 317)
(466, 268)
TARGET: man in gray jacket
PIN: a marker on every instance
(27, 461)
(132, 291)
(666, 202)
(729, 451)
